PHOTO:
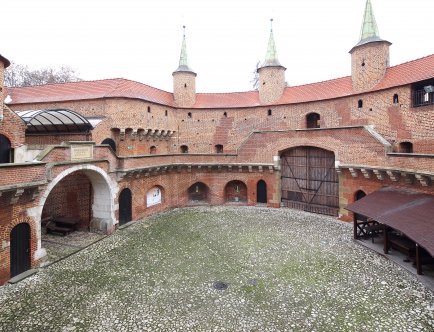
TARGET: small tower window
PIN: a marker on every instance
(313, 120)
(189, 115)
(406, 147)
(165, 112)
(219, 148)
(395, 98)
(225, 114)
(149, 109)
(185, 85)
(153, 149)
(360, 103)
(184, 148)
(270, 112)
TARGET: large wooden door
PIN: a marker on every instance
(125, 206)
(20, 249)
(310, 181)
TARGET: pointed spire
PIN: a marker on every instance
(183, 62)
(369, 26)
(369, 31)
(271, 55)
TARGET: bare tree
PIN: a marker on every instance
(255, 79)
(22, 75)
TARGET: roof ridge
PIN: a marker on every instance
(414, 60)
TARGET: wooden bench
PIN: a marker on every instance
(62, 225)
(403, 245)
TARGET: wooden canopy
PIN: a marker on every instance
(409, 212)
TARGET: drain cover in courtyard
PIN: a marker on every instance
(220, 285)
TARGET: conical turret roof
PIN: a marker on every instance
(369, 30)
(183, 61)
(271, 59)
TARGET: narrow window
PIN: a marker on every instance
(165, 113)
(153, 149)
(219, 148)
(269, 112)
(225, 114)
(360, 103)
(395, 99)
(406, 147)
(149, 109)
(184, 148)
(313, 120)
(189, 115)
(185, 85)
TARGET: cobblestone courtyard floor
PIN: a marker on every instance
(285, 270)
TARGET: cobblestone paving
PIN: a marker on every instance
(286, 271)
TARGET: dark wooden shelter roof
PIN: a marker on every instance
(409, 212)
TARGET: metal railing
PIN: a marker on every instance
(422, 98)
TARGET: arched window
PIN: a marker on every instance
(149, 109)
(189, 115)
(165, 112)
(219, 148)
(270, 112)
(225, 114)
(198, 192)
(153, 149)
(395, 98)
(184, 148)
(360, 103)
(313, 120)
(5, 150)
(110, 142)
(236, 191)
(406, 147)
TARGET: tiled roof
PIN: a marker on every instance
(406, 73)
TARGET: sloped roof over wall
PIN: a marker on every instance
(403, 74)
(406, 211)
(54, 121)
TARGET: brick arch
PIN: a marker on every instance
(235, 191)
(104, 192)
(198, 191)
(162, 191)
(287, 147)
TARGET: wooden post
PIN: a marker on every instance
(418, 260)
(386, 240)
(354, 226)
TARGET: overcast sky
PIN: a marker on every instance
(141, 40)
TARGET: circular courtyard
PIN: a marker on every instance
(222, 269)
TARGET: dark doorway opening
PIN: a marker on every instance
(5, 150)
(110, 142)
(261, 192)
(125, 206)
(198, 193)
(359, 195)
(20, 249)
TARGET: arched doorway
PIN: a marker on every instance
(236, 192)
(99, 205)
(110, 142)
(359, 195)
(20, 249)
(5, 150)
(198, 193)
(125, 206)
(261, 192)
(309, 180)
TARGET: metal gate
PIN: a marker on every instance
(125, 206)
(310, 181)
(20, 249)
